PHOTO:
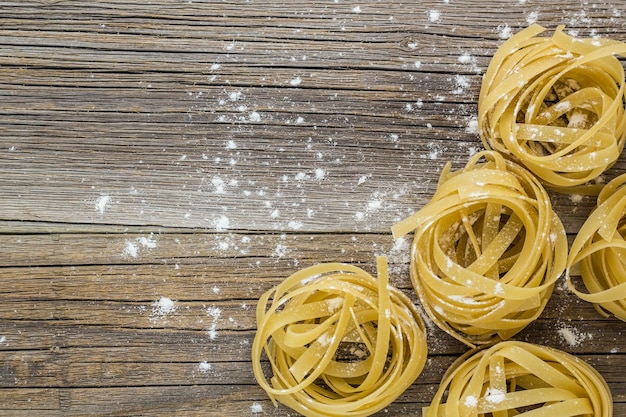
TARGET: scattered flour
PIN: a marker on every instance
(576, 198)
(221, 223)
(215, 313)
(102, 203)
(320, 174)
(256, 408)
(147, 242)
(572, 336)
(465, 58)
(495, 396)
(162, 307)
(295, 225)
(235, 95)
(504, 31)
(471, 401)
(400, 251)
(132, 248)
(434, 16)
(463, 300)
(219, 185)
(374, 205)
(296, 81)
(254, 117)
(204, 367)
(472, 125)
(462, 83)
(532, 17)
(280, 251)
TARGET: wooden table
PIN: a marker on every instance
(163, 163)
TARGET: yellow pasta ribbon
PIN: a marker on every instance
(556, 106)
(487, 250)
(521, 379)
(600, 250)
(339, 341)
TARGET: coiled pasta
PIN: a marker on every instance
(555, 105)
(600, 248)
(521, 379)
(339, 341)
(487, 250)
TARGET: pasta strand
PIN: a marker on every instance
(556, 106)
(487, 250)
(339, 341)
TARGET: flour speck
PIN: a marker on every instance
(102, 203)
(295, 225)
(572, 336)
(254, 117)
(471, 401)
(162, 307)
(147, 242)
(235, 95)
(295, 82)
(462, 83)
(215, 313)
(576, 198)
(130, 250)
(434, 16)
(504, 31)
(204, 367)
(221, 223)
(465, 58)
(256, 408)
(472, 125)
(532, 17)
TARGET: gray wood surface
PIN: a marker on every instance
(199, 152)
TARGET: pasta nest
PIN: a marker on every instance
(555, 105)
(518, 379)
(599, 249)
(487, 250)
(339, 341)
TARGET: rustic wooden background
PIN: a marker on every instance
(162, 163)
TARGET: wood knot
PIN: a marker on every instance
(409, 44)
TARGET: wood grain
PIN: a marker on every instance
(200, 152)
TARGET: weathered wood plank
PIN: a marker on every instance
(185, 400)
(341, 92)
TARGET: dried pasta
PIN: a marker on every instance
(555, 105)
(486, 251)
(600, 250)
(339, 341)
(521, 379)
